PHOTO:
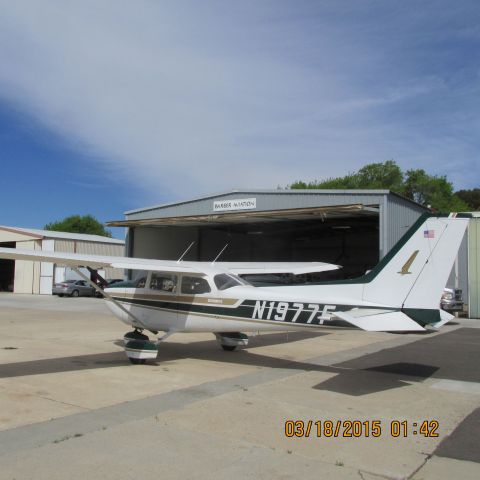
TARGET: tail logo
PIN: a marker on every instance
(408, 263)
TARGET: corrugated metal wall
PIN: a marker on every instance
(474, 268)
(93, 248)
(66, 246)
(400, 216)
(27, 274)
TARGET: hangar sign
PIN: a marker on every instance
(236, 204)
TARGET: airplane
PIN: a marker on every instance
(400, 294)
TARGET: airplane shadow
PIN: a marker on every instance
(169, 352)
(360, 382)
(452, 355)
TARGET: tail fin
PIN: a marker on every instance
(414, 273)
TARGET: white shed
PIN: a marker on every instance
(38, 277)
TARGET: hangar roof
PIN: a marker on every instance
(265, 205)
(46, 234)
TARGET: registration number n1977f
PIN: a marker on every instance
(292, 312)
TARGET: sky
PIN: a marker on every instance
(115, 105)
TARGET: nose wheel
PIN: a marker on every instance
(137, 361)
(139, 348)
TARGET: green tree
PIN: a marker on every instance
(433, 191)
(470, 197)
(374, 175)
(79, 224)
(428, 190)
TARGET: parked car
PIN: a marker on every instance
(73, 288)
(108, 285)
(452, 300)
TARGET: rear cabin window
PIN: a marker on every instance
(194, 285)
(163, 282)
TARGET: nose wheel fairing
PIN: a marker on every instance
(139, 351)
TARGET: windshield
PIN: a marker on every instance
(224, 281)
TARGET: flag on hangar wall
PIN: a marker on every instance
(429, 233)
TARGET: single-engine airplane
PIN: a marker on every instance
(401, 293)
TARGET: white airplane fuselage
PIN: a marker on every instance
(242, 308)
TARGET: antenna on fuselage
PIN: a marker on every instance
(185, 252)
(221, 251)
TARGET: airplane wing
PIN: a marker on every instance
(296, 268)
(97, 261)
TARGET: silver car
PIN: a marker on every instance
(73, 288)
(452, 300)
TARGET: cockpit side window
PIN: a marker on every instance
(163, 282)
(194, 285)
(224, 281)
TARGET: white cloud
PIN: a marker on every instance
(191, 97)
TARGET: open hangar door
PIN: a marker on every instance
(7, 270)
(348, 237)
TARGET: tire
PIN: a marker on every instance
(75, 293)
(229, 348)
(137, 361)
(60, 294)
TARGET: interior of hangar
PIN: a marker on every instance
(353, 229)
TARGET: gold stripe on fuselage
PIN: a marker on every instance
(179, 298)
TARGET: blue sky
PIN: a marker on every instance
(114, 105)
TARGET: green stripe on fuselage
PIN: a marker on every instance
(258, 310)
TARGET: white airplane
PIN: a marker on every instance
(402, 293)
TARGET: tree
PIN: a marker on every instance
(470, 197)
(79, 224)
(374, 175)
(429, 190)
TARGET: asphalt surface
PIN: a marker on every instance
(71, 406)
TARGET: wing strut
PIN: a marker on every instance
(106, 295)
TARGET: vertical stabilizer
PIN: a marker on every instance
(414, 273)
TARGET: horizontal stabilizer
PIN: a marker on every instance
(380, 321)
(445, 318)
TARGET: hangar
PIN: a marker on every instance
(21, 276)
(352, 228)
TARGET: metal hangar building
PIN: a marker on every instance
(352, 228)
(22, 276)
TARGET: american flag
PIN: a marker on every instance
(429, 233)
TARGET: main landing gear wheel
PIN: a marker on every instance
(229, 348)
(229, 341)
